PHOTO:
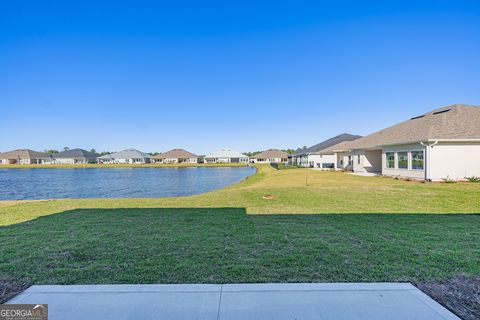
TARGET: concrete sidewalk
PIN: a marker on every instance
(324, 301)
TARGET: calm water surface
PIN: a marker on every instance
(29, 184)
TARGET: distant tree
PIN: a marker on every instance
(51, 151)
(93, 151)
(251, 153)
(289, 151)
(154, 153)
(104, 153)
(301, 149)
(66, 148)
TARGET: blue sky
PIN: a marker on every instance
(248, 75)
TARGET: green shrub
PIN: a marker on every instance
(448, 180)
(474, 179)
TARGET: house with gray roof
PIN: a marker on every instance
(441, 144)
(270, 156)
(226, 156)
(176, 156)
(311, 157)
(74, 156)
(339, 156)
(129, 156)
(24, 156)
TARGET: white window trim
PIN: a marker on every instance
(408, 160)
(411, 159)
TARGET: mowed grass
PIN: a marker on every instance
(296, 191)
(259, 230)
(225, 245)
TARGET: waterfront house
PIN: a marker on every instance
(129, 156)
(226, 156)
(270, 156)
(176, 156)
(339, 155)
(440, 144)
(75, 156)
(25, 156)
(311, 157)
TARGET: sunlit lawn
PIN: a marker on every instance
(258, 230)
(289, 191)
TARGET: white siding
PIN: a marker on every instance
(454, 161)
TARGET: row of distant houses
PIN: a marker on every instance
(438, 145)
(133, 156)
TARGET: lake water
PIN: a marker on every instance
(40, 183)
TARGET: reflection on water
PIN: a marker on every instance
(26, 184)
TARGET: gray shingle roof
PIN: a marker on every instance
(339, 147)
(75, 153)
(127, 154)
(271, 153)
(175, 154)
(328, 143)
(453, 122)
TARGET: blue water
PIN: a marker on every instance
(30, 184)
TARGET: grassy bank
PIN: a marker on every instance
(119, 165)
(288, 191)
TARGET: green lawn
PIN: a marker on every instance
(188, 245)
(235, 235)
(289, 191)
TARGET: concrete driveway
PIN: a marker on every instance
(324, 301)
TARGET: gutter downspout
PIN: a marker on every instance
(427, 155)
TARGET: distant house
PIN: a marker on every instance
(441, 144)
(339, 156)
(75, 156)
(176, 156)
(226, 156)
(311, 157)
(129, 156)
(270, 156)
(25, 156)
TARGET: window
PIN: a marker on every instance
(390, 160)
(402, 160)
(358, 159)
(417, 160)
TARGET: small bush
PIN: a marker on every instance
(448, 180)
(474, 179)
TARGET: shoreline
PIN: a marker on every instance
(119, 165)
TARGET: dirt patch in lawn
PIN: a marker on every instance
(9, 288)
(461, 295)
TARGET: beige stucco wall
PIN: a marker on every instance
(367, 161)
(342, 161)
(455, 161)
(357, 162)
